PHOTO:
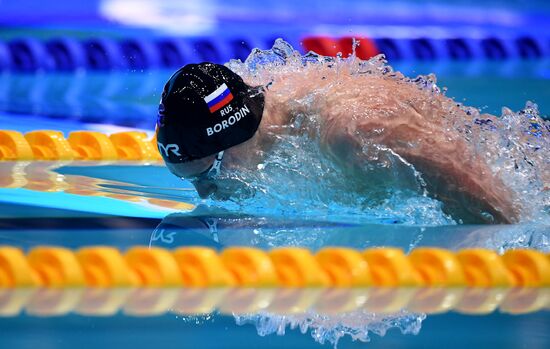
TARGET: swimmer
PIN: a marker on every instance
(210, 120)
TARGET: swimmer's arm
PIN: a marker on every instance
(398, 116)
(468, 190)
(412, 129)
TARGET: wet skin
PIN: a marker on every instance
(384, 120)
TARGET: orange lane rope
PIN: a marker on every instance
(196, 280)
(294, 267)
(80, 145)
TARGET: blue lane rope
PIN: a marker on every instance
(67, 54)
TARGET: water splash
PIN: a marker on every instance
(320, 190)
(515, 146)
(359, 325)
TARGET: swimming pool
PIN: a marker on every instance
(126, 203)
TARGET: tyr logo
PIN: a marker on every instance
(174, 148)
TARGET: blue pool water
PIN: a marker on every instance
(75, 204)
(118, 214)
(129, 98)
(496, 330)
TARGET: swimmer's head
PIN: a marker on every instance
(205, 109)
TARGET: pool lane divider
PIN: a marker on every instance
(279, 301)
(29, 161)
(51, 145)
(102, 281)
(28, 54)
(294, 267)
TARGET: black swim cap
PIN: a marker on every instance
(206, 108)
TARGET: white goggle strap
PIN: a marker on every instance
(215, 169)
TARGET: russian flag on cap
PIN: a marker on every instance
(219, 98)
